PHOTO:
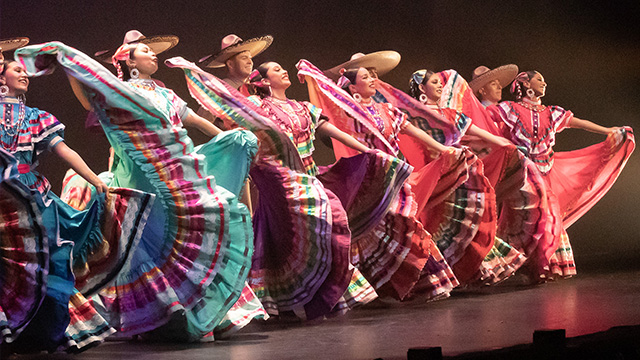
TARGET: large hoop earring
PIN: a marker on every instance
(357, 97)
(423, 98)
(134, 73)
(4, 90)
(531, 94)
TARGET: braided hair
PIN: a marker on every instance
(256, 80)
(126, 75)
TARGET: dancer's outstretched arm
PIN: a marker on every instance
(332, 131)
(200, 123)
(487, 136)
(77, 163)
(587, 125)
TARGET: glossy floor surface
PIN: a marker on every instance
(468, 321)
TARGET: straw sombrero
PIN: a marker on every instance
(482, 75)
(13, 43)
(157, 43)
(382, 61)
(232, 45)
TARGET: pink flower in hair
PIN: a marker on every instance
(122, 54)
(256, 79)
(343, 81)
(523, 76)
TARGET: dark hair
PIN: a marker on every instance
(5, 64)
(126, 75)
(518, 83)
(352, 76)
(262, 91)
(414, 86)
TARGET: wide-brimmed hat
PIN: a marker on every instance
(482, 75)
(382, 61)
(157, 43)
(232, 45)
(13, 43)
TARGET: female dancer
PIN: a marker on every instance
(193, 258)
(301, 265)
(575, 180)
(521, 219)
(423, 271)
(98, 239)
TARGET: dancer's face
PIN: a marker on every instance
(15, 77)
(492, 92)
(538, 85)
(365, 84)
(432, 88)
(240, 65)
(278, 78)
(145, 60)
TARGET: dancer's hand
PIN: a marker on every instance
(100, 186)
(617, 133)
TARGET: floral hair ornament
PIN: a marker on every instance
(417, 77)
(256, 79)
(343, 81)
(520, 78)
(122, 54)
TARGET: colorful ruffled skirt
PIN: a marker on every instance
(190, 265)
(97, 241)
(576, 182)
(304, 229)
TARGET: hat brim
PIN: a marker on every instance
(255, 46)
(504, 74)
(382, 61)
(13, 43)
(157, 43)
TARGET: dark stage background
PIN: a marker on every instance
(589, 54)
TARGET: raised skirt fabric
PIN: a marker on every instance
(193, 258)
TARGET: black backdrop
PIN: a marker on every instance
(589, 54)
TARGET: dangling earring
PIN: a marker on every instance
(134, 73)
(531, 94)
(357, 97)
(4, 90)
(423, 98)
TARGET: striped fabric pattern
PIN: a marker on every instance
(570, 182)
(34, 135)
(24, 252)
(308, 243)
(247, 308)
(439, 127)
(227, 103)
(86, 327)
(192, 265)
(312, 231)
(394, 255)
(519, 122)
(502, 167)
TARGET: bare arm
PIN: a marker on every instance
(487, 136)
(589, 126)
(200, 123)
(329, 129)
(76, 163)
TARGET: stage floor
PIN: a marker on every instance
(468, 321)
